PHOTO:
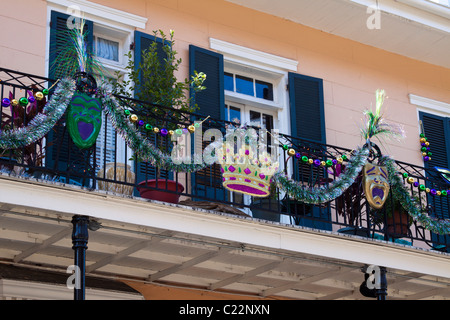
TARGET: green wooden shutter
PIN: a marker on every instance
(211, 102)
(143, 41)
(207, 183)
(308, 123)
(437, 131)
(307, 107)
(62, 155)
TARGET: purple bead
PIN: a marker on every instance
(32, 99)
(426, 158)
(298, 155)
(185, 130)
(416, 184)
(317, 162)
(423, 144)
(141, 123)
(6, 102)
(433, 192)
(163, 132)
(334, 161)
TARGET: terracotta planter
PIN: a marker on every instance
(156, 190)
(398, 224)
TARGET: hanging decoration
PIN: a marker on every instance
(143, 148)
(84, 120)
(424, 144)
(43, 122)
(376, 185)
(412, 205)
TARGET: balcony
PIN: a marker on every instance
(56, 161)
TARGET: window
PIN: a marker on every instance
(248, 86)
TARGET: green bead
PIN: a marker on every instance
(344, 157)
(422, 135)
(422, 187)
(305, 159)
(148, 127)
(429, 154)
(45, 92)
(197, 125)
(23, 101)
(179, 131)
(285, 147)
(127, 112)
(444, 192)
(423, 149)
(405, 175)
(329, 163)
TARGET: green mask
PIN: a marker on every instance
(84, 120)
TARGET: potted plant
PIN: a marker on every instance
(394, 217)
(154, 80)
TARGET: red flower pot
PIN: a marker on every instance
(156, 189)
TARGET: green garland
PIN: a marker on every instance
(411, 205)
(322, 194)
(43, 122)
(143, 148)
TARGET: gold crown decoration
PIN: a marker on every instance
(245, 172)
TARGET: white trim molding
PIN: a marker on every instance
(267, 59)
(435, 106)
(96, 10)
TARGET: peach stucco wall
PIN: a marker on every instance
(351, 71)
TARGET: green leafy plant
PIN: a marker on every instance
(155, 81)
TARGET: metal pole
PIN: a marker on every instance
(381, 293)
(80, 237)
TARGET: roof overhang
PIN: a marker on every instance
(418, 29)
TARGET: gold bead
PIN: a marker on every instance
(191, 128)
(424, 154)
(291, 152)
(310, 161)
(133, 118)
(438, 193)
(427, 143)
(39, 96)
(14, 102)
(410, 180)
(323, 163)
(427, 190)
(340, 160)
(171, 132)
(155, 129)
(423, 140)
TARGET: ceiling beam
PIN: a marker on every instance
(296, 284)
(137, 245)
(189, 263)
(248, 274)
(44, 244)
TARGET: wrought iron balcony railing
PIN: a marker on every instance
(111, 165)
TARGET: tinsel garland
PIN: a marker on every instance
(143, 148)
(325, 193)
(43, 122)
(411, 205)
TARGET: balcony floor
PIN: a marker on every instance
(156, 245)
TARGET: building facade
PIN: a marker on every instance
(307, 69)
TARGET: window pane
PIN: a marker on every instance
(107, 49)
(228, 82)
(235, 114)
(255, 119)
(264, 90)
(244, 85)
